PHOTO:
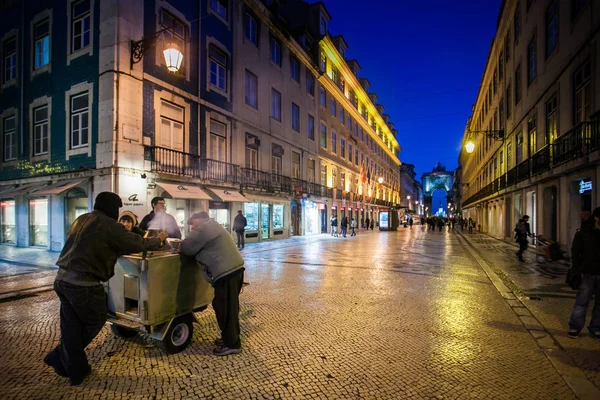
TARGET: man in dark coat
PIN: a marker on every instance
(239, 226)
(212, 247)
(522, 232)
(159, 219)
(585, 259)
(94, 243)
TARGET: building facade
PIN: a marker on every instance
(233, 127)
(539, 98)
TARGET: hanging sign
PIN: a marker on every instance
(585, 185)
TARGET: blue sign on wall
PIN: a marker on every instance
(585, 185)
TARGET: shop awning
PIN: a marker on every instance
(59, 187)
(180, 191)
(227, 194)
(6, 188)
(258, 198)
(27, 188)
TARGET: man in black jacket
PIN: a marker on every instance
(94, 243)
(522, 232)
(239, 225)
(585, 259)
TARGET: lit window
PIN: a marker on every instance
(218, 68)
(80, 112)
(80, 25)
(42, 44)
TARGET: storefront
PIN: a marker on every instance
(267, 217)
(8, 218)
(38, 222)
(311, 220)
(225, 210)
(18, 220)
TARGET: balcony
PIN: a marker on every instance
(582, 139)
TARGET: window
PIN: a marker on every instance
(507, 47)
(311, 170)
(509, 156)
(323, 136)
(501, 162)
(175, 34)
(322, 97)
(501, 113)
(311, 127)
(250, 29)
(361, 133)
(508, 101)
(551, 27)
(80, 25)
(576, 7)
(251, 89)
(218, 68)
(323, 61)
(7, 222)
(275, 48)
(40, 130)
(276, 162)
(495, 81)
(322, 25)
(350, 123)
(531, 61)
(343, 180)
(500, 67)
(532, 129)
(171, 126)
(342, 115)
(310, 83)
(334, 143)
(275, 105)
(517, 22)
(519, 148)
(334, 74)
(42, 44)
(217, 145)
(518, 86)
(295, 117)
(295, 165)
(333, 106)
(356, 155)
(80, 120)
(349, 151)
(295, 69)
(10, 59)
(252, 153)
(324, 174)
(583, 93)
(334, 177)
(356, 129)
(220, 7)
(551, 120)
(10, 138)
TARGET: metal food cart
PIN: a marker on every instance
(157, 293)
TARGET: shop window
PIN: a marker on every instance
(76, 204)
(252, 217)
(38, 222)
(7, 222)
(219, 211)
(277, 216)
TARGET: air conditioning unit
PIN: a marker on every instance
(253, 141)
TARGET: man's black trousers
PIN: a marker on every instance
(83, 313)
(227, 308)
(522, 247)
(240, 239)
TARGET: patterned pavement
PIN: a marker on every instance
(384, 315)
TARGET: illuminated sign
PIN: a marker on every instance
(384, 219)
(585, 186)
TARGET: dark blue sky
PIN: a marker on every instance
(424, 60)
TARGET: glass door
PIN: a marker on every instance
(265, 221)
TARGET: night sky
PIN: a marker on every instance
(425, 61)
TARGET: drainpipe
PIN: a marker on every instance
(22, 68)
(115, 146)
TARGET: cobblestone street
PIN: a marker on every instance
(385, 315)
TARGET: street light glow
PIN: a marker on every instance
(470, 146)
(173, 57)
(380, 180)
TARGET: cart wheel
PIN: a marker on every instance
(179, 335)
(122, 332)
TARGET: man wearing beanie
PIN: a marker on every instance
(585, 260)
(223, 266)
(94, 243)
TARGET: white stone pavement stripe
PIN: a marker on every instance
(562, 362)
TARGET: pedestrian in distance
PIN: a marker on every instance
(159, 219)
(344, 226)
(239, 226)
(522, 232)
(440, 223)
(130, 222)
(585, 263)
(367, 223)
(212, 248)
(410, 222)
(334, 225)
(94, 242)
(372, 223)
(353, 226)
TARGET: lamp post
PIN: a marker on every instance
(173, 56)
(495, 134)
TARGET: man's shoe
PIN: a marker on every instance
(225, 351)
(219, 342)
(58, 368)
(573, 334)
(595, 335)
(79, 379)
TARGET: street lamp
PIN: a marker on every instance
(173, 56)
(495, 134)
(380, 180)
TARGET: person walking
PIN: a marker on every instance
(585, 261)
(93, 244)
(367, 223)
(159, 219)
(372, 223)
(353, 226)
(239, 226)
(344, 226)
(410, 222)
(521, 234)
(212, 248)
(334, 224)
